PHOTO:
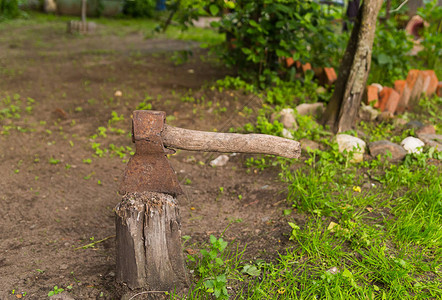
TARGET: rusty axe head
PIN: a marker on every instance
(149, 169)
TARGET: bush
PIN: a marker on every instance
(432, 37)
(9, 9)
(261, 33)
(139, 8)
(390, 56)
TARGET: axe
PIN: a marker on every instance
(149, 253)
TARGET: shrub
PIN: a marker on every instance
(139, 8)
(9, 9)
(390, 56)
(261, 33)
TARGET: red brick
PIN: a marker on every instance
(318, 72)
(392, 102)
(306, 67)
(439, 89)
(289, 62)
(415, 81)
(330, 76)
(371, 94)
(388, 100)
(430, 82)
(402, 88)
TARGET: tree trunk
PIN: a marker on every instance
(413, 5)
(83, 11)
(343, 107)
(149, 254)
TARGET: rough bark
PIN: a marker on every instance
(83, 10)
(413, 5)
(342, 110)
(229, 142)
(149, 254)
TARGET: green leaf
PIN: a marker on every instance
(246, 51)
(223, 245)
(251, 270)
(346, 273)
(214, 9)
(221, 278)
(209, 284)
(217, 293)
(253, 23)
(219, 261)
(383, 59)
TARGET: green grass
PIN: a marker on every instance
(373, 230)
(125, 26)
(382, 242)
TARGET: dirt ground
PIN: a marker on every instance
(51, 201)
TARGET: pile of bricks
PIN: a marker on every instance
(405, 94)
(326, 76)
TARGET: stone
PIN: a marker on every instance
(388, 100)
(315, 109)
(309, 145)
(385, 116)
(321, 90)
(379, 86)
(427, 129)
(287, 118)
(439, 89)
(399, 122)
(62, 296)
(287, 134)
(220, 161)
(432, 140)
(412, 144)
(351, 144)
(368, 113)
(414, 124)
(118, 93)
(371, 94)
(402, 88)
(384, 146)
(330, 76)
(415, 81)
(430, 82)
(333, 270)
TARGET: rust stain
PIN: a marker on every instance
(149, 170)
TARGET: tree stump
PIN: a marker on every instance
(149, 254)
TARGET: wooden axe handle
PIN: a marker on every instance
(194, 140)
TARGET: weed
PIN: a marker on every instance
(115, 118)
(54, 161)
(145, 105)
(55, 291)
(212, 268)
(87, 161)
